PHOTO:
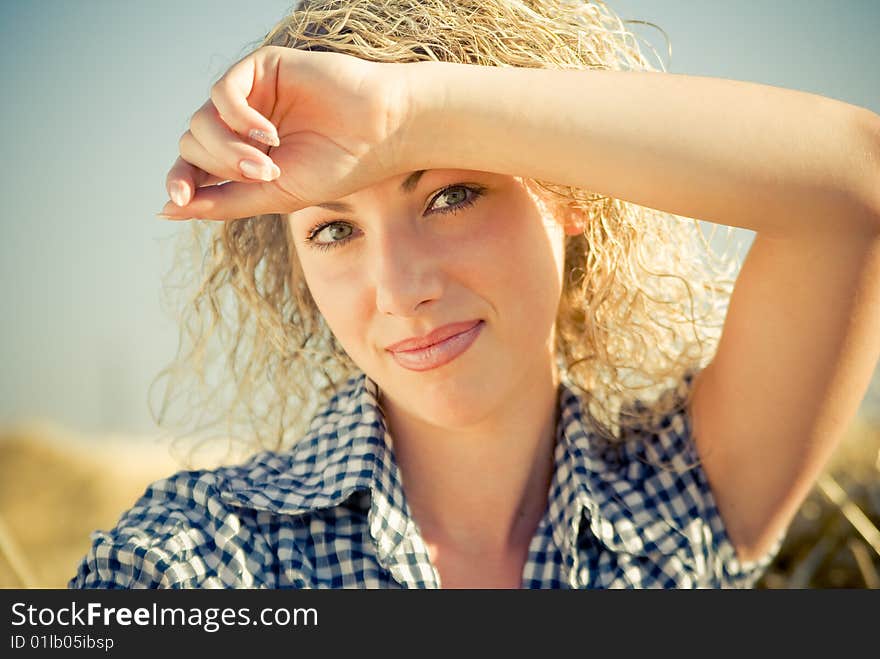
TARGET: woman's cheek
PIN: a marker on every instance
(334, 292)
(488, 242)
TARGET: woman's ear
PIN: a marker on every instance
(573, 230)
(574, 222)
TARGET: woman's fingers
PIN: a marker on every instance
(199, 166)
(183, 179)
(215, 149)
(232, 92)
(236, 159)
(234, 200)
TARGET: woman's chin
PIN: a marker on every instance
(454, 403)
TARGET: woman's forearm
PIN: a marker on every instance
(742, 154)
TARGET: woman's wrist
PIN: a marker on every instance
(424, 115)
(402, 150)
(468, 116)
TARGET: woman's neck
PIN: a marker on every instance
(481, 490)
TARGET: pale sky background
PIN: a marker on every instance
(99, 92)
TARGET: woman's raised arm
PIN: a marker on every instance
(742, 154)
(802, 334)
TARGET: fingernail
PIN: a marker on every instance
(257, 170)
(264, 137)
(178, 193)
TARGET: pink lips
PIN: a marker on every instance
(443, 345)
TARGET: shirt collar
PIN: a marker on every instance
(580, 461)
(347, 454)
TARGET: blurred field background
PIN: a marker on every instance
(82, 255)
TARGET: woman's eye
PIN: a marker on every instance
(458, 194)
(329, 235)
(335, 232)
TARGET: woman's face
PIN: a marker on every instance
(396, 266)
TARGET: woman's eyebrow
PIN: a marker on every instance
(407, 186)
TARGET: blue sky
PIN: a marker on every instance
(97, 94)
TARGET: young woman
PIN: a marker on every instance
(462, 223)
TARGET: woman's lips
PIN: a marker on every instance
(440, 353)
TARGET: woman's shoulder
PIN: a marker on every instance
(180, 533)
(213, 527)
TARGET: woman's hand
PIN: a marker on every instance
(331, 122)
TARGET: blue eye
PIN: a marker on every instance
(333, 227)
(333, 231)
(466, 200)
(338, 238)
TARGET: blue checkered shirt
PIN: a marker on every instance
(331, 513)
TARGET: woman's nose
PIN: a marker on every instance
(406, 274)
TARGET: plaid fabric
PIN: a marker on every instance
(331, 513)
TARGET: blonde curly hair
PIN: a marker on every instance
(644, 295)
